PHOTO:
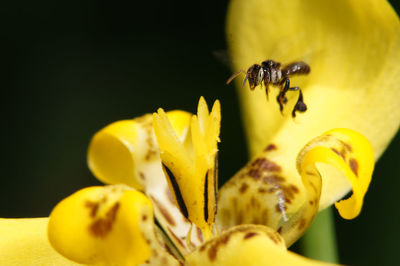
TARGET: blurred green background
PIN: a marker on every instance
(72, 68)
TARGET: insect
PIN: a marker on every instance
(271, 73)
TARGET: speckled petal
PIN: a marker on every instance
(190, 165)
(24, 242)
(110, 225)
(249, 245)
(353, 49)
(122, 152)
(127, 152)
(265, 192)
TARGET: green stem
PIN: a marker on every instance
(319, 242)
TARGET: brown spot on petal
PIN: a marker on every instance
(199, 235)
(164, 261)
(347, 146)
(274, 237)
(169, 195)
(154, 253)
(266, 165)
(255, 173)
(93, 206)
(302, 224)
(260, 167)
(212, 252)
(142, 176)
(273, 179)
(271, 147)
(175, 237)
(284, 198)
(222, 241)
(250, 235)
(335, 151)
(279, 207)
(202, 248)
(294, 188)
(354, 166)
(152, 151)
(164, 212)
(314, 187)
(243, 188)
(262, 190)
(102, 226)
(255, 203)
(341, 154)
(310, 173)
(273, 189)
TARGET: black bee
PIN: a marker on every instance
(271, 73)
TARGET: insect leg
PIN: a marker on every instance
(281, 98)
(267, 91)
(300, 105)
(267, 80)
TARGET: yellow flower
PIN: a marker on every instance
(113, 225)
(168, 163)
(177, 150)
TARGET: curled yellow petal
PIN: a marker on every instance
(190, 166)
(24, 242)
(350, 153)
(247, 245)
(266, 192)
(353, 48)
(122, 151)
(110, 225)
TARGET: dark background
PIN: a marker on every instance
(72, 68)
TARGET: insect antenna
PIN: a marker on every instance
(234, 75)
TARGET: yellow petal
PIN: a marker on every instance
(353, 48)
(266, 192)
(24, 242)
(122, 151)
(191, 167)
(110, 225)
(356, 162)
(247, 245)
